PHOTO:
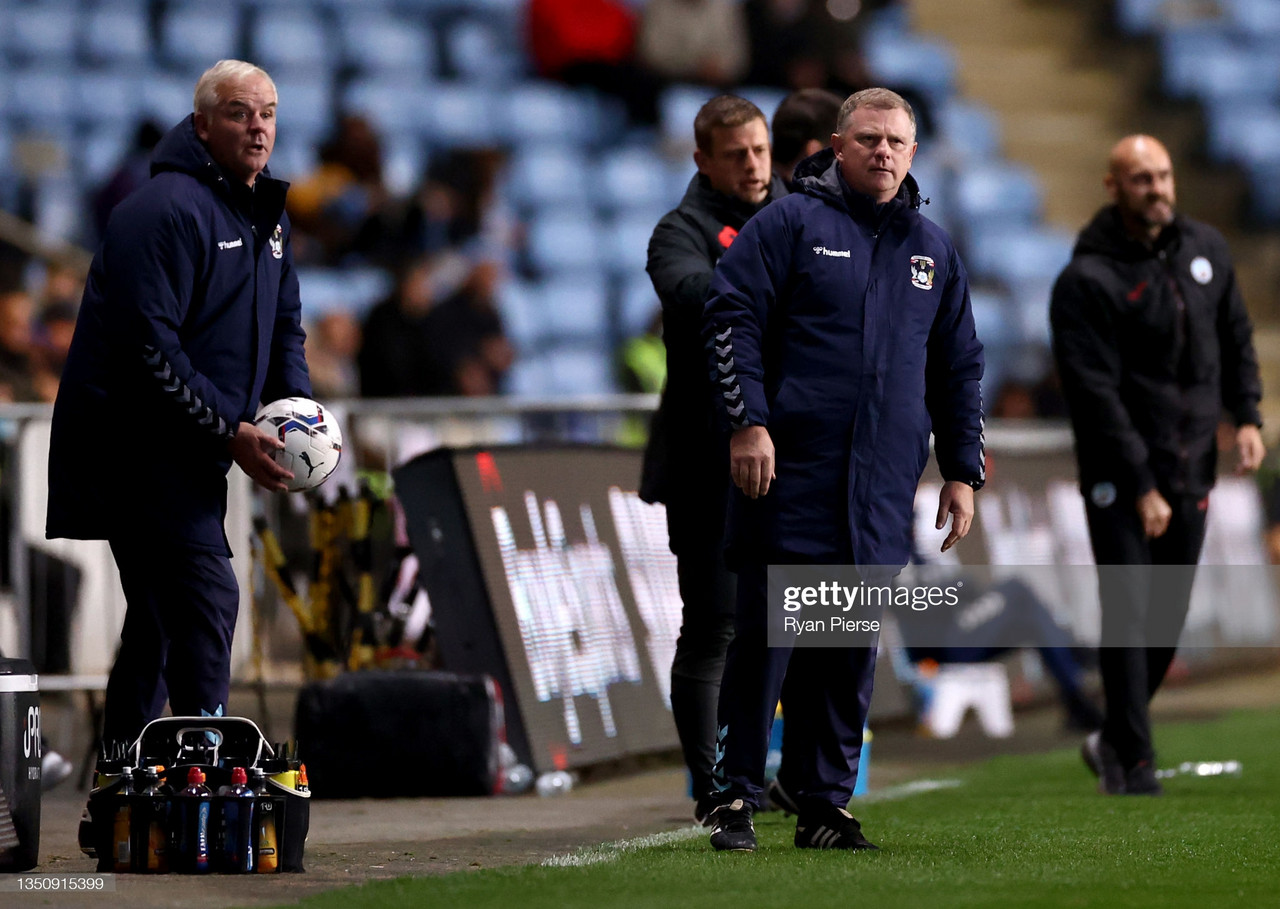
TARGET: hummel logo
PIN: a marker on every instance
(231, 244)
(838, 253)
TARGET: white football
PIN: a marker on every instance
(311, 436)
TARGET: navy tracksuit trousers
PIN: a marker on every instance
(176, 641)
(826, 697)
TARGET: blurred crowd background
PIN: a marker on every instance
(474, 183)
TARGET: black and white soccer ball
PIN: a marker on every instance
(311, 436)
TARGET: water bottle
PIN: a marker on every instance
(266, 845)
(193, 806)
(151, 825)
(122, 825)
(557, 782)
(236, 851)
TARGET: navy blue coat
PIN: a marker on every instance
(190, 319)
(845, 328)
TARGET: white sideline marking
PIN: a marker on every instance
(610, 852)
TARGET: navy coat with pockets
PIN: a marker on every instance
(845, 328)
(190, 319)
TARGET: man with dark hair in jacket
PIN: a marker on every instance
(685, 461)
(1152, 342)
(190, 320)
(802, 126)
(842, 334)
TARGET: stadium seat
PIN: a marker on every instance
(1257, 18)
(101, 150)
(192, 35)
(996, 193)
(581, 370)
(384, 103)
(115, 96)
(677, 107)
(385, 45)
(43, 34)
(290, 39)
(564, 243)
(637, 306)
(969, 131)
(353, 290)
(404, 162)
(625, 242)
(483, 51)
(927, 66)
(636, 177)
(1264, 197)
(40, 97)
(1018, 253)
(1243, 133)
(116, 35)
(547, 112)
(570, 307)
(548, 175)
(306, 106)
(934, 181)
(456, 114)
(167, 98)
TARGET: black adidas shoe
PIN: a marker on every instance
(704, 807)
(781, 799)
(732, 829)
(824, 826)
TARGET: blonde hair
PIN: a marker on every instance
(222, 72)
(878, 99)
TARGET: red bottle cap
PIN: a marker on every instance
(238, 776)
(195, 776)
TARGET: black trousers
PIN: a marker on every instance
(706, 627)
(1144, 608)
(181, 607)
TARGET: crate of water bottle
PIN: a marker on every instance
(196, 795)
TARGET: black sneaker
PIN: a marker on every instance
(732, 829)
(781, 799)
(1103, 763)
(704, 807)
(1140, 779)
(824, 826)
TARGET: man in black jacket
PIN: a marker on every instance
(686, 462)
(1152, 342)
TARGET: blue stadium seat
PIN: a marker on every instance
(570, 308)
(196, 35)
(518, 305)
(997, 193)
(1264, 198)
(993, 317)
(625, 242)
(100, 151)
(352, 290)
(969, 131)
(292, 158)
(167, 98)
(927, 66)
(1017, 254)
(564, 243)
(43, 97)
(484, 51)
(637, 306)
(547, 112)
(456, 114)
(404, 162)
(386, 45)
(636, 177)
(575, 370)
(306, 106)
(116, 35)
(290, 39)
(1211, 65)
(1258, 18)
(383, 102)
(548, 175)
(677, 107)
(42, 34)
(1244, 133)
(934, 181)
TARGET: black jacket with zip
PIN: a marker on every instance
(1153, 343)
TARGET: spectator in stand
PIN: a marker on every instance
(133, 171)
(592, 42)
(802, 125)
(453, 204)
(438, 334)
(332, 346)
(17, 373)
(342, 209)
(703, 41)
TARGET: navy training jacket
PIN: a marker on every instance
(190, 319)
(845, 328)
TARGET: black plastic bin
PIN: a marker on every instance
(19, 766)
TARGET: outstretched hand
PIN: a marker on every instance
(253, 450)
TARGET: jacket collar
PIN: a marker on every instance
(819, 175)
(1105, 235)
(725, 206)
